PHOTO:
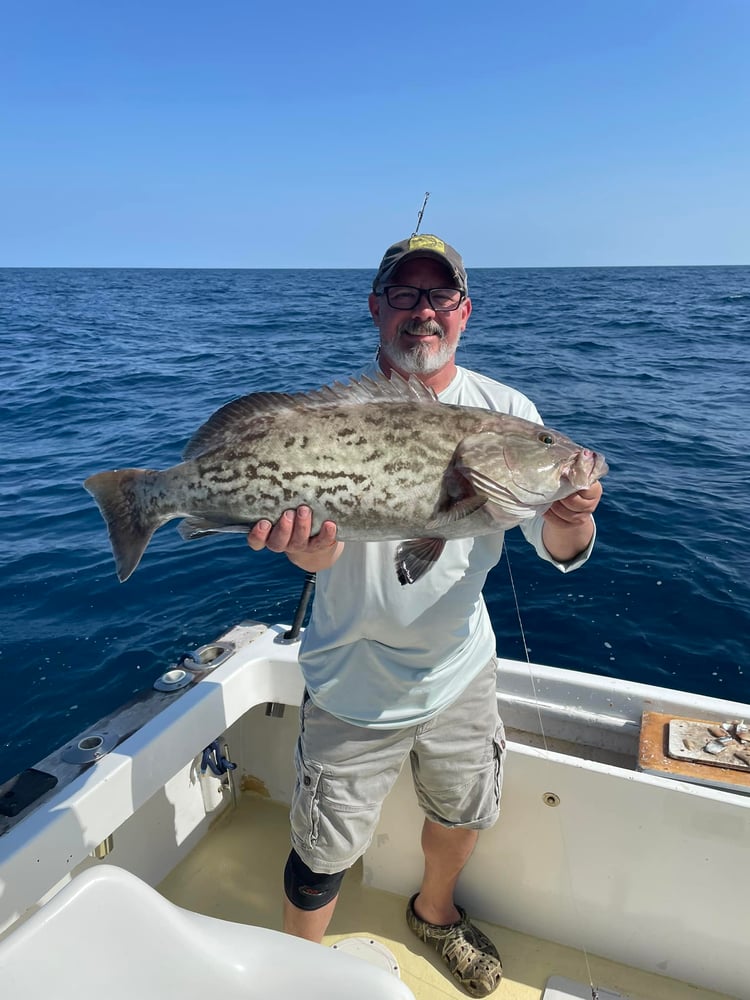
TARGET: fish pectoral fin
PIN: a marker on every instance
(464, 478)
(416, 556)
(466, 490)
(461, 494)
(455, 510)
(199, 527)
(493, 491)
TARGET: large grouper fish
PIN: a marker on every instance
(380, 457)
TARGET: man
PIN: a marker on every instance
(393, 672)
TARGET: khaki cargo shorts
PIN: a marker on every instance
(344, 773)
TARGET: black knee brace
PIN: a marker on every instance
(306, 889)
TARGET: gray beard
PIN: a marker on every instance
(420, 359)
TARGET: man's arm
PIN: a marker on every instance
(291, 535)
(568, 525)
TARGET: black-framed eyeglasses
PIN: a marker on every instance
(407, 297)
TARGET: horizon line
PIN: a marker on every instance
(308, 267)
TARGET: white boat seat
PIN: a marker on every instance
(109, 934)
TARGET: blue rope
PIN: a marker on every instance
(189, 656)
(215, 761)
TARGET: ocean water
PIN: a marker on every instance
(105, 368)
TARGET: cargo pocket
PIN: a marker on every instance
(305, 811)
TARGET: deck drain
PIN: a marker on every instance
(370, 951)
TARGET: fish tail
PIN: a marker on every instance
(131, 516)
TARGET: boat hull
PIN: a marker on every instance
(590, 851)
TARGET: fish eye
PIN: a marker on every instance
(546, 438)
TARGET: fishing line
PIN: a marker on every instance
(566, 854)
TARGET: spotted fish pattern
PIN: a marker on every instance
(380, 457)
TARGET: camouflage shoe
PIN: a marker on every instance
(469, 954)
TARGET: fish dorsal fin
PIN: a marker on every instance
(234, 420)
(231, 421)
(377, 388)
(396, 388)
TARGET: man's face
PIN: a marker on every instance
(419, 340)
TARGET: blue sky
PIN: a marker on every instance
(548, 132)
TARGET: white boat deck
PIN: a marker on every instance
(235, 873)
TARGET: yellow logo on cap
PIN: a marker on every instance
(426, 243)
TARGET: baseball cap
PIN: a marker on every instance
(421, 245)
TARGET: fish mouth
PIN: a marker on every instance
(585, 468)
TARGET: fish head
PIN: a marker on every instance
(520, 468)
(543, 465)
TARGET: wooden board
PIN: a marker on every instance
(653, 756)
